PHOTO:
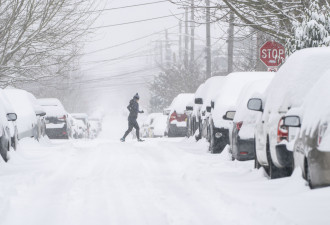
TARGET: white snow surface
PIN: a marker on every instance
(52, 106)
(180, 102)
(315, 110)
(159, 124)
(243, 114)
(23, 107)
(160, 181)
(295, 79)
(226, 99)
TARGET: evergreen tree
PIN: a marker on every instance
(172, 81)
(314, 28)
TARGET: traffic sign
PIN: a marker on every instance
(272, 54)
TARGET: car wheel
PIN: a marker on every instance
(308, 175)
(273, 171)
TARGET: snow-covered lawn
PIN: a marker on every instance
(159, 181)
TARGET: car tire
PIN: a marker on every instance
(273, 171)
(213, 148)
(308, 175)
(4, 151)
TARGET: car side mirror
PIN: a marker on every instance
(208, 109)
(189, 108)
(230, 115)
(166, 112)
(255, 104)
(292, 121)
(199, 101)
(11, 116)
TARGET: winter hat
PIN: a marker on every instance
(136, 96)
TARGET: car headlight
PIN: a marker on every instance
(218, 135)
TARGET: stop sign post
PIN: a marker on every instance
(272, 54)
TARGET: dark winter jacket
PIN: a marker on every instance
(133, 109)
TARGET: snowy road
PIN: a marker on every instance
(160, 181)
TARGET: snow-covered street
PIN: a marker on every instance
(159, 181)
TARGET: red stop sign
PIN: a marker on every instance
(272, 54)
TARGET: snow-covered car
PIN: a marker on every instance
(27, 118)
(40, 113)
(242, 138)
(12, 123)
(286, 91)
(158, 126)
(311, 145)
(81, 129)
(211, 89)
(86, 126)
(5, 137)
(57, 126)
(145, 128)
(177, 120)
(193, 117)
(221, 116)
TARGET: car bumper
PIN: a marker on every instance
(319, 166)
(57, 133)
(244, 149)
(176, 131)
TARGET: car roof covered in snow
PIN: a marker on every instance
(230, 91)
(249, 90)
(52, 106)
(295, 78)
(23, 107)
(211, 88)
(79, 115)
(180, 102)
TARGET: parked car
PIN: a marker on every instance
(311, 145)
(12, 123)
(158, 125)
(28, 123)
(57, 126)
(220, 125)
(84, 118)
(145, 128)
(286, 91)
(242, 138)
(177, 120)
(194, 116)
(211, 89)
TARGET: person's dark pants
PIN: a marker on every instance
(132, 123)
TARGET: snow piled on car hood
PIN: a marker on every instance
(315, 110)
(295, 78)
(229, 93)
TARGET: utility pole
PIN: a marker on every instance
(231, 42)
(192, 33)
(208, 40)
(167, 50)
(180, 41)
(259, 65)
(161, 52)
(186, 40)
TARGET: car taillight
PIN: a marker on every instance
(62, 118)
(239, 125)
(282, 131)
(173, 116)
(322, 130)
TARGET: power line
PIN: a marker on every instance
(127, 6)
(136, 21)
(128, 42)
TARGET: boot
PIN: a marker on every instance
(140, 140)
(122, 139)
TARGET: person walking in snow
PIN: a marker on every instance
(133, 109)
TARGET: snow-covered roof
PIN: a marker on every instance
(180, 102)
(211, 88)
(23, 107)
(295, 78)
(249, 90)
(52, 106)
(230, 91)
